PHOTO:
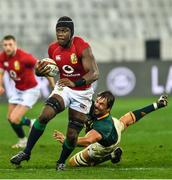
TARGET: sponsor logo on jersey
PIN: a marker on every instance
(16, 65)
(14, 76)
(68, 69)
(73, 58)
(6, 64)
(58, 57)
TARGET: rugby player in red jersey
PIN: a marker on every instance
(20, 66)
(78, 70)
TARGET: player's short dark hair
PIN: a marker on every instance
(9, 37)
(109, 96)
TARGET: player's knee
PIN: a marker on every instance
(55, 104)
(14, 119)
(128, 119)
(44, 118)
(76, 124)
(50, 110)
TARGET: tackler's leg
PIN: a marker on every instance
(134, 116)
(81, 158)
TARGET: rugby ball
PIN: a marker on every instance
(52, 64)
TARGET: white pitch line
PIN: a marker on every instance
(105, 168)
(138, 169)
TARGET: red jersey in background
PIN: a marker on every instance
(20, 68)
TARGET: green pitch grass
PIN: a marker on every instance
(147, 147)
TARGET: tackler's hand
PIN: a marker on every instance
(57, 135)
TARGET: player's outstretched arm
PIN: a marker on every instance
(134, 116)
(91, 137)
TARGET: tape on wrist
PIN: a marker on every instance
(80, 82)
(155, 105)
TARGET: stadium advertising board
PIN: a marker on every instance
(123, 79)
(136, 79)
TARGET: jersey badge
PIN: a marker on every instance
(6, 64)
(16, 65)
(73, 58)
(58, 57)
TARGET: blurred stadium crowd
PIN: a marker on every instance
(116, 29)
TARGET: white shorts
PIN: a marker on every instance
(26, 98)
(96, 150)
(78, 100)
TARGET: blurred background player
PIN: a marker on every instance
(20, 66)
(78, 70)
(103, 139)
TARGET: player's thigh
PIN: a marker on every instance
(76, 123)
(77, 115)
(17, 113)
(30, 96)
(81, 101)
(63, 92)
(14, 98)
(11, 107)
(79, 107)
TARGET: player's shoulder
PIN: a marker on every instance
(53, 45)
(2, 56)
(22, 52)
(24, 55)
(80, 44)
(78, 39)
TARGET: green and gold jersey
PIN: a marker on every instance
(106, 128)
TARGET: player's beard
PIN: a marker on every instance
(97, 112)
(10, 53)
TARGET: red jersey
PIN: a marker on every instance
(69, 60)
(20, 68)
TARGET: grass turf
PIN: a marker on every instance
(147, 147)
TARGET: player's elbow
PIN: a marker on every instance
(95, 75)
(89, 141)
(85, 142)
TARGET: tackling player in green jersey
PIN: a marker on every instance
(104, 135)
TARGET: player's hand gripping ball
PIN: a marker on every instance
(47, 67)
